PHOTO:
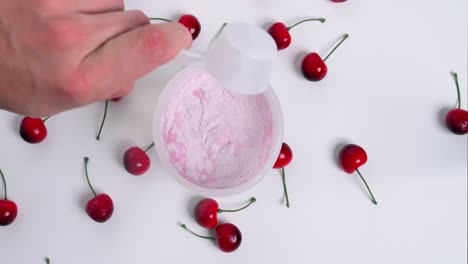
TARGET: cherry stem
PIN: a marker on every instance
(283, 177)
(455, 77)
(337, 45)
(158, 18)
(149, 147)
(218, 34)
(251, 201)
(103, 120)
(4, 186)
(306, 20)
(367, 186)
(47, 260)
(45, 119)
(86, 160)
(195, 234)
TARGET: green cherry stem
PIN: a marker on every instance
(283, 177)
(161, 19)
(47, 260)
(86, 160)
(306, 20)
(45, 119)
(455, 77)
(367, 186)
(103, 120)
(337, 45)
(149, 147)
(195, 234)
(251, 201)
(218, 34)
(4, 186)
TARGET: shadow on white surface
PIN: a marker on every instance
(120, 147)
(297, 63)
(441, 117)
(191, 203)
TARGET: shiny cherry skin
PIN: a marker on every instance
(100, 208)
(206, 213)
(192, 24)
(136, 161)
(33, 130)
(352, 157)
(281, 35)
(117, 99)
(313, 67)
(228, 237)
(8, 212)
(457, 121)
(284, 158)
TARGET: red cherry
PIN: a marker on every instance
(228, 237)
(8, 209)
(192, 24)
(136, 161)
(457, 119)
(313, 67)
(33, 130)
(117, 99)
(206, 212)
(100, 208)
(189, 21)
(280, 32)
(284, 158)
(338, 1)
(351, 158)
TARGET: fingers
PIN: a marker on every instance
(129, 56)
(99, 6)
(108, 25)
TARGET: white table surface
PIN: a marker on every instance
(387, 89)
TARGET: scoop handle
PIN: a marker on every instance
(188, 57)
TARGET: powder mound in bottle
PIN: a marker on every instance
(214, 138)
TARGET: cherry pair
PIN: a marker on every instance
(189, 21)
(457, 119)
(228, 236)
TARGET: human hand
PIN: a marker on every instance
(57, 55)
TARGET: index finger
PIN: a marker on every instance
(128, 57)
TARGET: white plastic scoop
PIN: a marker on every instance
(241, 59)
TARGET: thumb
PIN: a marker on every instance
(129, 56)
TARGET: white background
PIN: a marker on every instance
(387, 90)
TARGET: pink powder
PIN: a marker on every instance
(214, 138)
